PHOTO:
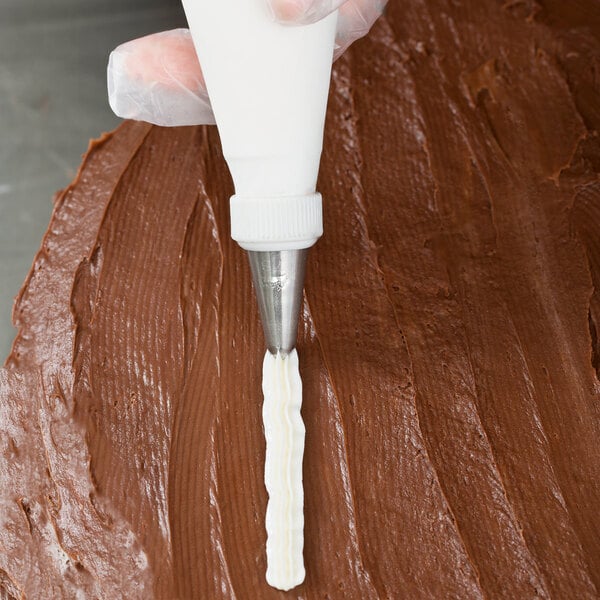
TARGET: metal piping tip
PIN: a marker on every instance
(278, 278)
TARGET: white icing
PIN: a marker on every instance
(284, 433)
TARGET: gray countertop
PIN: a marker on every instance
(53, 58)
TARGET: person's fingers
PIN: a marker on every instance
(158, 79)
(302, 12)
(354, 21)
(355, 18)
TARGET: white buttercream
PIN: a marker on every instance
(284, 433)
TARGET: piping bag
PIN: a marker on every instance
(268, 86)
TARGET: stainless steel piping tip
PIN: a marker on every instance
(278, 278)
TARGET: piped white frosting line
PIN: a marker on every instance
(284, 433)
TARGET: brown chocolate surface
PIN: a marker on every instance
(449, 344)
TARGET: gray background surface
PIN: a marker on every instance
(53, 56)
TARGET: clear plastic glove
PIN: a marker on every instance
(158, 79)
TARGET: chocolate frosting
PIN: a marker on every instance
(449, 342)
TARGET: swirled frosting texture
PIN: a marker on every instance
(449, 341)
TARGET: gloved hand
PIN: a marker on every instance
(158, 79)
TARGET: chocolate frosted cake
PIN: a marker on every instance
(448, 346)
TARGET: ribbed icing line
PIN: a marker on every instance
(284, 435)
(287, 220)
